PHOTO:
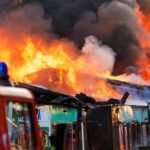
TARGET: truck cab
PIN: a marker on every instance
(18, 120)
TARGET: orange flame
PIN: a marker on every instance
(56, 65)
(59, 66)
(143, 21)
(144, 39)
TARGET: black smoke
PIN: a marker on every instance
(113, 22)
(126, 46)
(65, 14)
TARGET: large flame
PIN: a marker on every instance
(144, 22)
(56, 65)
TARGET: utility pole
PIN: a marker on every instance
(83, 117)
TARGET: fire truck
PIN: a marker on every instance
(18, 121)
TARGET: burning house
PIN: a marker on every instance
(99, 47)
(104, 125)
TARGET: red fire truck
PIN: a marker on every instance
(18, 122)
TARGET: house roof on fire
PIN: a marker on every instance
(132, 94)
(45, 96)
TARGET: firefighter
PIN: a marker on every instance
(4, 77)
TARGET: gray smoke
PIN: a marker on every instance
(26, 20)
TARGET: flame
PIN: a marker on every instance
(60, 66)
(144, 40)
(56, 65)
(143, 21)
(108, 75)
